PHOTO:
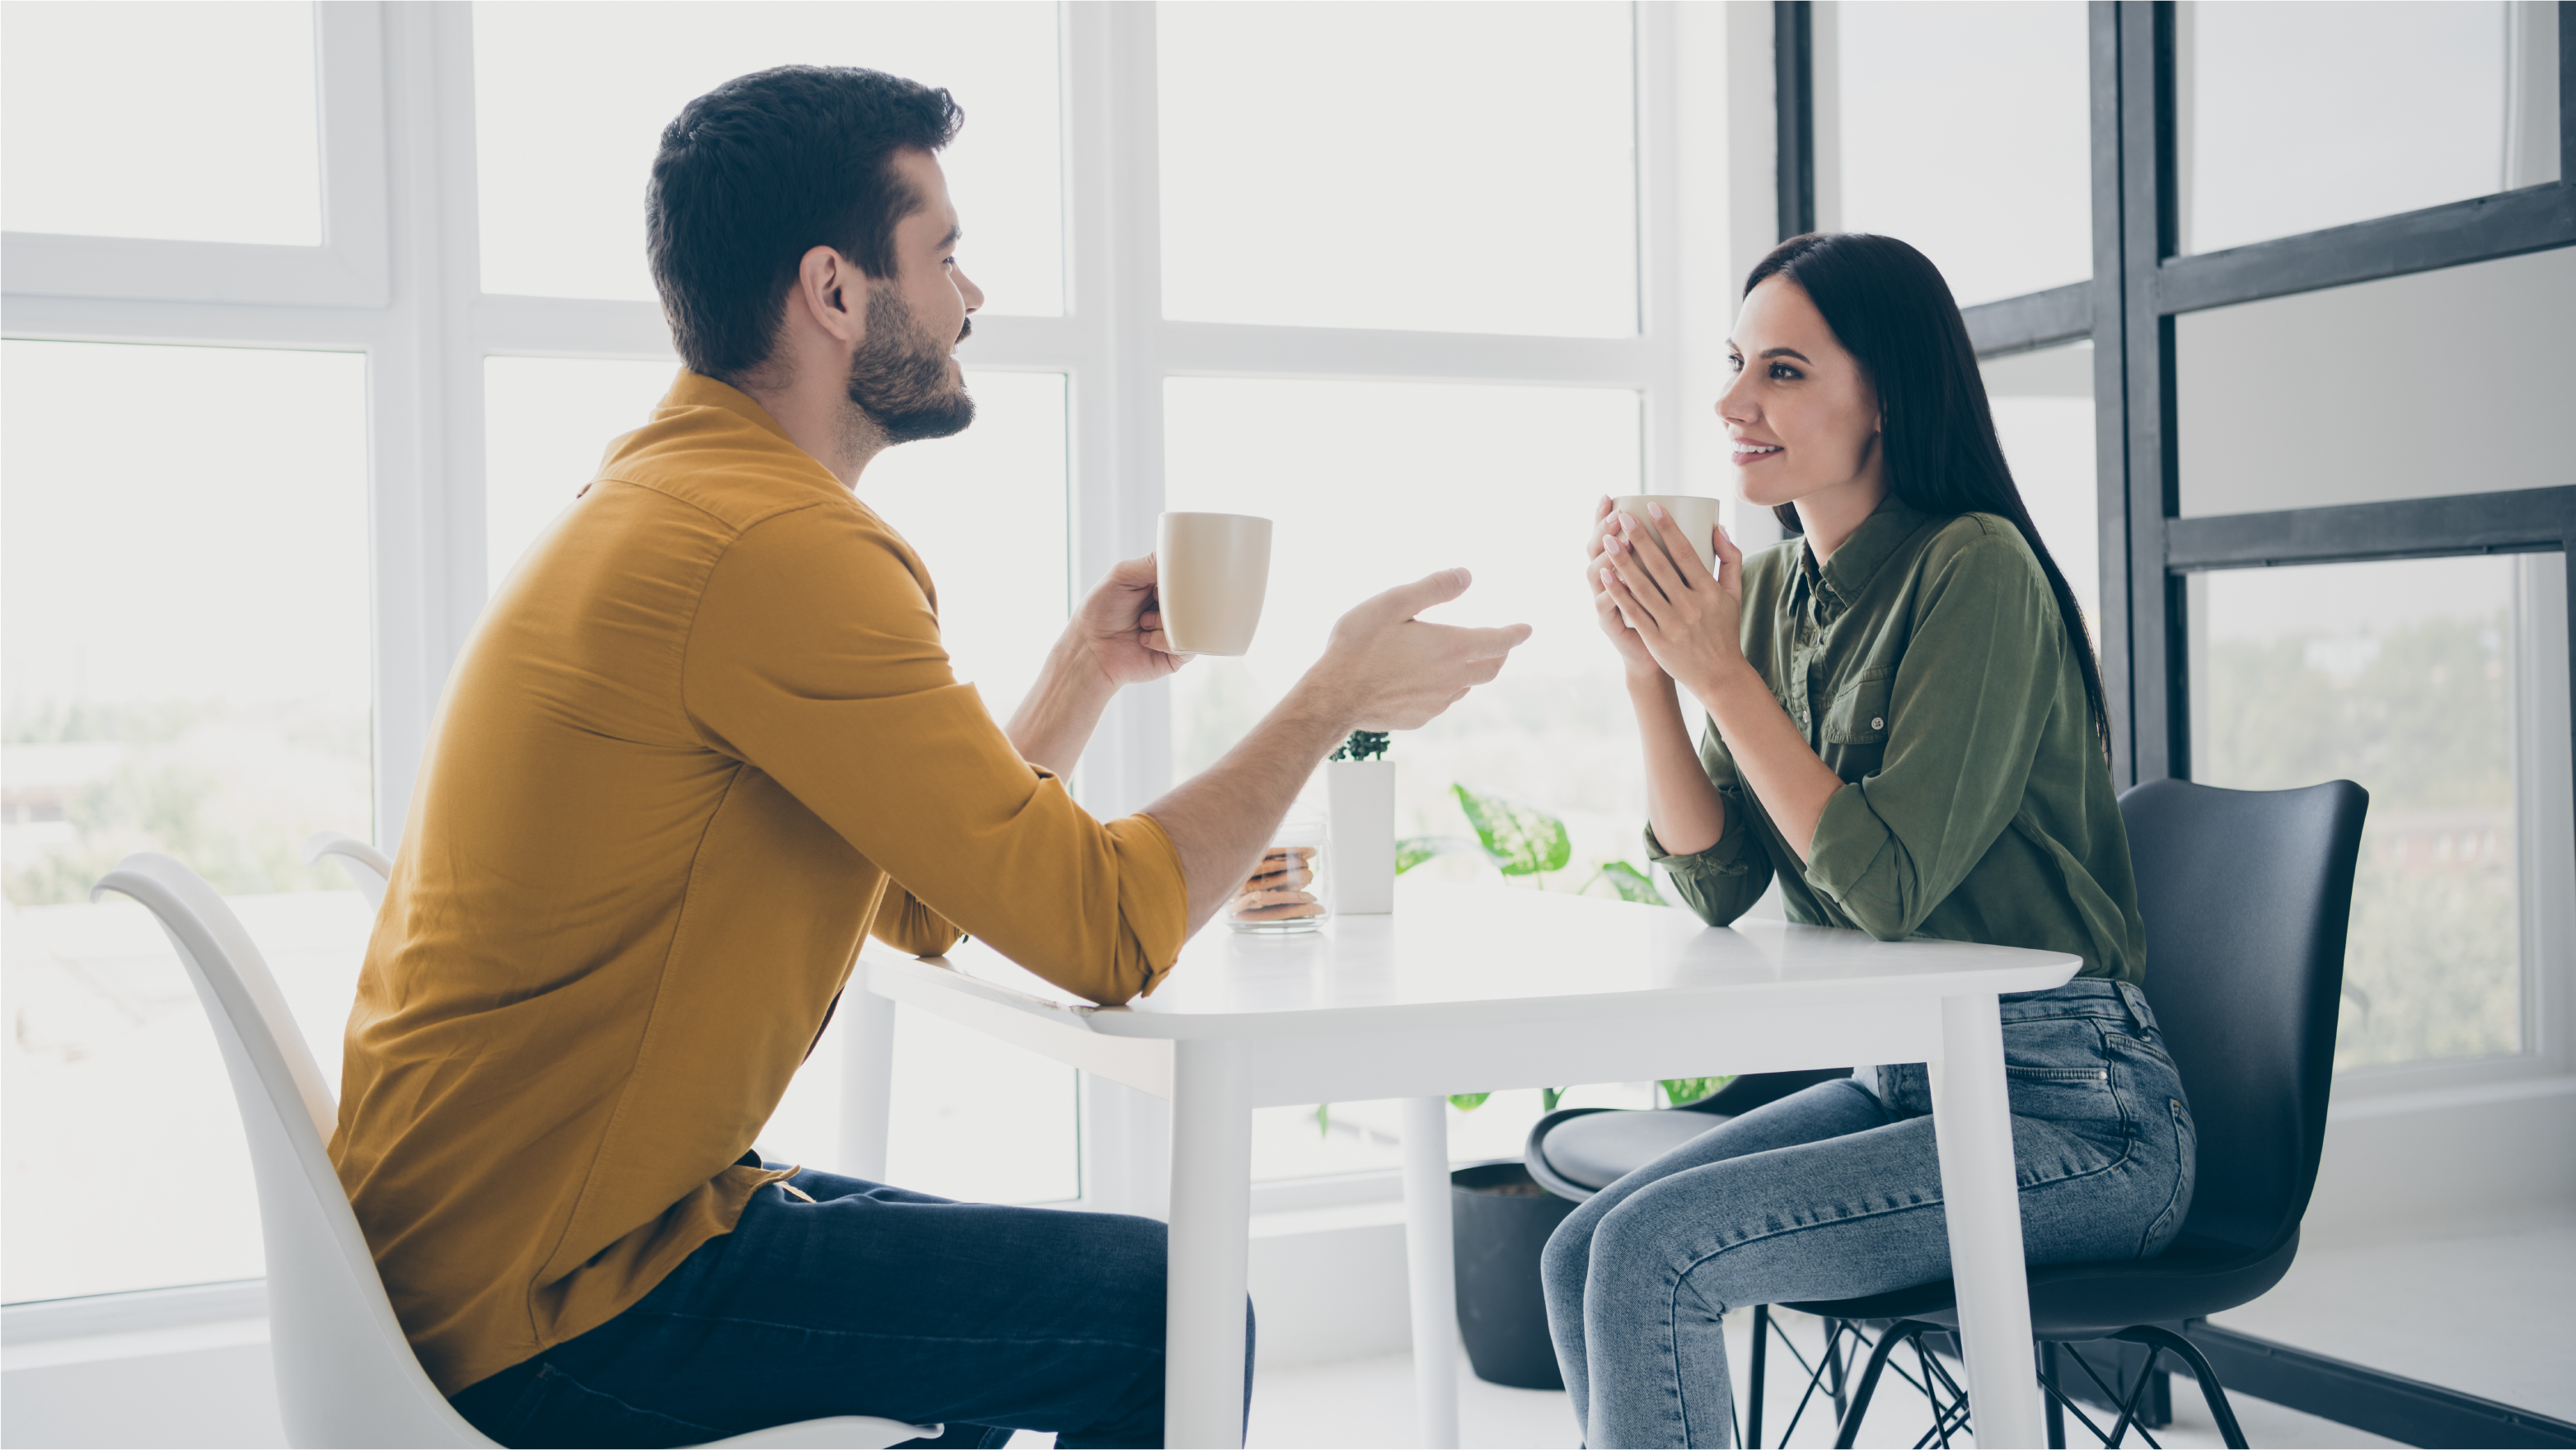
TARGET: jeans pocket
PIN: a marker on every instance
(558, 1410)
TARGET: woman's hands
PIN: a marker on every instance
(1632, 648)
(1650, 588)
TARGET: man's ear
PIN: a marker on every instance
(833, 294)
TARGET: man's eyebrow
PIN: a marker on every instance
(955, 234)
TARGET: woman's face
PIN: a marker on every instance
(1803, 415)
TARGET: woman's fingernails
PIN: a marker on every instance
(1658, 511)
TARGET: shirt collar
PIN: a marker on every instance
(697, 390)
(1858, 561)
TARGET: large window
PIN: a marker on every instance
(410, 284)
(186, 672)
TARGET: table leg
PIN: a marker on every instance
(1432, 1272)
(867, 1077)
(1972, 1122)
(1210, 1243)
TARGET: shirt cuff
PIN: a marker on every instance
(1850, 841)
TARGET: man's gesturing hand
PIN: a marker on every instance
(1387, 670)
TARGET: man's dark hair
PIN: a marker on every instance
(762, 169)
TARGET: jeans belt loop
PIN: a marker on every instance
(2135, 1000)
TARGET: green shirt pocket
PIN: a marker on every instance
(1859, 713)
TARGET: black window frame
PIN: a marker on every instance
(2141, 282)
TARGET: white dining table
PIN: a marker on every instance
(1479, 988)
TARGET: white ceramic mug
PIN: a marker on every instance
(1697, 517)
(1212, 572)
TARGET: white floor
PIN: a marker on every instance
(1369, 1402)
(2484, 1314)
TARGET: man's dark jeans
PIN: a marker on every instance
(868, 1301)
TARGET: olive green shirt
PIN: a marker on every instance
(1928, 666)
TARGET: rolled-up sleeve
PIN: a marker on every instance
(1722, 882)
(815, 657)
(1967, 709)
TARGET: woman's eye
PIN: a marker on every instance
(1734, 363)
(1782, 372)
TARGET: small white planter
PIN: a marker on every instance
(1360, 863)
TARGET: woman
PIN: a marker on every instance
(1906, 728)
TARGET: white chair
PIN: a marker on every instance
(345, 1374)
(368, 868)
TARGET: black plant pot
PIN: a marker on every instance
(1499, 1221)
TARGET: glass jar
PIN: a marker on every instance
(1285, 890)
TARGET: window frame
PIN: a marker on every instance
(2149, 552)
(397, 279)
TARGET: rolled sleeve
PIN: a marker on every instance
(1722, 882)
(816, 658)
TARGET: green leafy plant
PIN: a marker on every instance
(1680, 1090)
(1468, 1102)
(1412, 851)
(1630, 883)
(1363, 745)
(1520, 840)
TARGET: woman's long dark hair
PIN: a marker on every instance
(1891, 309)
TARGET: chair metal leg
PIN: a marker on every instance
(1904, 1331)
(2056, 1414)
(1834, 1365)
(2211, 1391)
(1761, 1350)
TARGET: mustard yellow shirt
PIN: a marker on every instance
(704, 741)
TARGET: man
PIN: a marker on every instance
(704, 742)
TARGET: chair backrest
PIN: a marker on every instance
(2247, 895)
(368, 869)
(345, 1373)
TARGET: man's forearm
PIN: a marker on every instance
(1055, 719)
(1221, 819)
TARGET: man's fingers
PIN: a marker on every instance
(1490, 644)
(1405, 601)
(1133, 573)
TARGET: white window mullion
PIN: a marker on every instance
(428, 397)
(1115, 229)
(1661, 321)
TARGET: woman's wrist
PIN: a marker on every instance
(1732, 680)
(1650, 687)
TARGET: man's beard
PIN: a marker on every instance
(899, 377)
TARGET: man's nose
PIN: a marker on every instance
(967, 289)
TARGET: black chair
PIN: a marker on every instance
(1576, 1152)
(2247, 895)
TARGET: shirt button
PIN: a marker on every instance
(1875, 723)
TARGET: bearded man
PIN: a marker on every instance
(705, 742)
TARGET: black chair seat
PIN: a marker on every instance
(2194, 1278)
(1576, 1152)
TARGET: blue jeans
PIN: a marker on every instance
(1835, 1192)
(868, 1300)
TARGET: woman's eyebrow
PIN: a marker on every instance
(1787, 352)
